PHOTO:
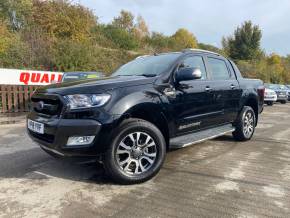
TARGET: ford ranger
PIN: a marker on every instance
(147, 106)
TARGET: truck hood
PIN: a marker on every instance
(95, 85)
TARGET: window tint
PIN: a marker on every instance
(195, 62)
(236, 69)
(219, 69)
(150, 65)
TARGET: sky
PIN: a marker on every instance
(208, 20)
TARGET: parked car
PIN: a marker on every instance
(270, 97)
(75, 76)
(149, 105)
(281, 92)
(288, 91)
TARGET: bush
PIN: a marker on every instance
(121, 37)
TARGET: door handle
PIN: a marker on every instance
(233, 86)
(208, 89)
(170, 92)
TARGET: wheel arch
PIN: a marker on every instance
(253, 103)
(152, 113)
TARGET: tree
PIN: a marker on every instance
(140, 29)
(124, 21)
(274, 59)
(275, 68)
(210, 48)
(40, 46)
(5, 39)
(15, 12)
(120, 37)
(63, 20)
(13, 51)
(73, 55)
(245, 43)
(183, 39)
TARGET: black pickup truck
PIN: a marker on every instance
(146, 107)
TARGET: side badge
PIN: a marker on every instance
(190, 125)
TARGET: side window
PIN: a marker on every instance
(195, 62)
(218, 68)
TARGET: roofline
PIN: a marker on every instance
(199, 50)
(156, 54)
(187, 50)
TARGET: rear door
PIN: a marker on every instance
(227, 92)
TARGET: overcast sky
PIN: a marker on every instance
(209, 20)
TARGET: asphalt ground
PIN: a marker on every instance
(217, 178)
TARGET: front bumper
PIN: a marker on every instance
(57, 131)
(271, 98)
(282, 98)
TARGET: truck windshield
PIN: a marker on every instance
(271, 86)
(275, 86)
(147, 65)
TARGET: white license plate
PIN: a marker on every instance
(35, 126)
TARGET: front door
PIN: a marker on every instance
(192, 106)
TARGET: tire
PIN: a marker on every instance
(245, 124)
(283, 102)
(128, 162)
(270, 103)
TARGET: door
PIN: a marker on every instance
(226, 89)
(192, 105)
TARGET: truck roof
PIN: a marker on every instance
(187, 50)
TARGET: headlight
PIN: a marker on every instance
(79, 101)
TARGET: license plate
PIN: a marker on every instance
(35, 126)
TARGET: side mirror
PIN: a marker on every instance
(188, 73)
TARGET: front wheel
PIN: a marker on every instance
(136, 153)
(283, 102)
(270, 103)
(245, 124)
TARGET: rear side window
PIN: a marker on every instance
(218, 68)
(195, 62)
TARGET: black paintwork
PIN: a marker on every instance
(175, 108)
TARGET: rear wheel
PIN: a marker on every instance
(136, 153)
(245, 124)
(283, 102)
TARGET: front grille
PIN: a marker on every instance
(44, 137)
(281, 93)
(47, 104)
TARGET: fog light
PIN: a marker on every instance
(80, 140)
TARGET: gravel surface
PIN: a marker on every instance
(217, 178)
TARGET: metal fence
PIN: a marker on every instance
(15, 98)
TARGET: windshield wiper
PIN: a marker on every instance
(148, 75)
(144, 74)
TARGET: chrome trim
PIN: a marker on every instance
(199, 50)
(207, 138)
(204, 114)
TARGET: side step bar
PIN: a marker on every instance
(197, 137)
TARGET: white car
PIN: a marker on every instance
(270, 97)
